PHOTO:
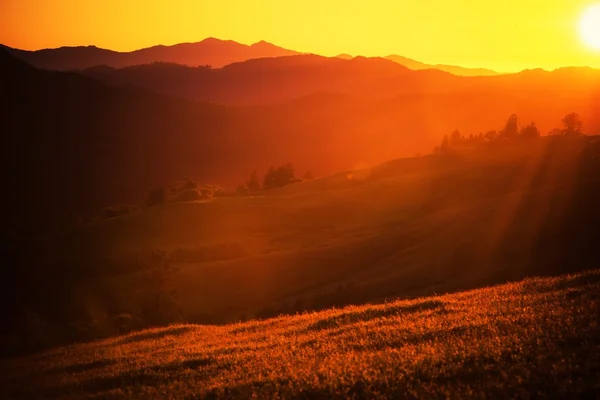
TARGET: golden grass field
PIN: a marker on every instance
(537, 338)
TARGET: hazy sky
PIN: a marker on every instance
(500, 34)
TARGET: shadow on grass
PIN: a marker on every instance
(370, 314)
(576, 282)
(203, 368)
(82, 367)
(143, 336)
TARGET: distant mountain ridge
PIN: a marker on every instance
(281, 79)
(211, 51)
(214, 52)
(453, 69)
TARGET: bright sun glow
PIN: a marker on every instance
(590, 27)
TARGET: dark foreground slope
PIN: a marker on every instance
(539, 338)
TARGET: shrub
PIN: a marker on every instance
(282, 176)
(188, 195)
(211, 190)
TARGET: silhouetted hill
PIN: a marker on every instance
(265, 80)
(453, 69)
(379, 92)
(72, 144)
(269, 80)
(211, 51)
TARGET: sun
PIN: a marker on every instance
(589, 27)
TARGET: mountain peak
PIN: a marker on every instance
(262, 43)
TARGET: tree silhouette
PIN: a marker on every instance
(530, 131)
(253, 183)
(269, 180)
(573, 125)
(283, 175)
(455, 138)
(490, 136)
(511, 128)
(445, 146)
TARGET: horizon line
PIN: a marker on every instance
(432, 64)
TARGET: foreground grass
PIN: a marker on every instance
(538, 337)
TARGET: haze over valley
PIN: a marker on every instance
(393, 215)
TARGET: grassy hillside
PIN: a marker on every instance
(408, 227)
(536, 338)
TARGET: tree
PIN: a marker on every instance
(282, 176)
(269, 180)
(490, 136)
(530, 131)
(573, 125)
(308, 176)
(445, 146)
(455, 138)
(511, 128)
(555, 132)
(253, 184)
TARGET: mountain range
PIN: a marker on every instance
(213, 52)
(273, 80)
(82, 144)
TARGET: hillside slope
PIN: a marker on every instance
(407, 228)
(536, 338)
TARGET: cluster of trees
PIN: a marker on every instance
(185, 190)
(275, 177)
(572, 126)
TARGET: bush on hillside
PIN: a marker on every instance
(188, 195)
(281, 176)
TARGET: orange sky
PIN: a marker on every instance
(504, 35)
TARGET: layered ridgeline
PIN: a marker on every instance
(129, 140)
(453, 69)
(538, 337)
(211, 51)
(269, 80)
